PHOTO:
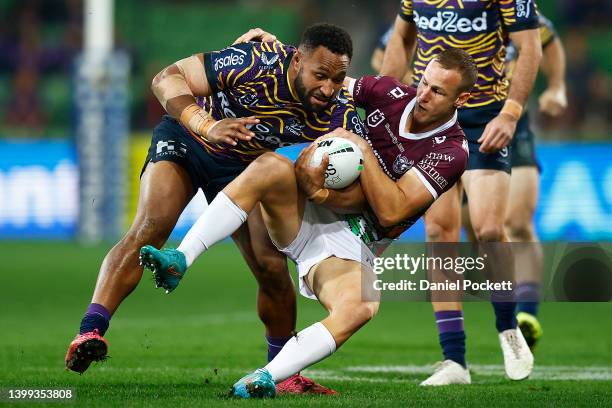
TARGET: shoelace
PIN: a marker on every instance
(514, 345)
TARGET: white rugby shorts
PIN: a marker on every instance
(324, 234)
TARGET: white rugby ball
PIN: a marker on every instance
(345, 161)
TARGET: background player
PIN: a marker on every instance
(402, 177)
(376, 60)
(489, 119)
(225, 109)
(525, 182)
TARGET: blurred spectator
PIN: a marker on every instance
(39, 38)
(25, 108)
(587, 13)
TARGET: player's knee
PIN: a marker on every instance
(440, 232)
(489, 233)
(358, 313)
(520, 230)
(272, 274)
(273, 164)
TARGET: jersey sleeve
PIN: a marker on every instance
(519, 15)
(441, 168)
(547, 31)
(406, 10)
(226, 67)
(345, 115)
(368, 90)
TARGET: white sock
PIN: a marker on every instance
(218, 221)
(310, 346)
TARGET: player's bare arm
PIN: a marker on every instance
(500, 130)
(553, 101)
(311, 181)
(176, 87)
(400, 49)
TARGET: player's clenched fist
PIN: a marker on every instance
(553, 101)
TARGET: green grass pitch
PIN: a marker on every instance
(187, 348)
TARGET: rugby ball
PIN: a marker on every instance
(345, 161)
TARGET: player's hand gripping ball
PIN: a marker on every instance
(345, 161)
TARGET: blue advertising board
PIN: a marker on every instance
(38, 189)
(39, 192)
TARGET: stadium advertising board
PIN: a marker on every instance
(39, 191)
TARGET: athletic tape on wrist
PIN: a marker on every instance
(197, 120)
(513, 109)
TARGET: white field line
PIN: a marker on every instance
(577, 373)
(368, 374)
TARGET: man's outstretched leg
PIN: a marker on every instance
(165, 190)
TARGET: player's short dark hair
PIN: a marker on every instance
(459, 60)
(330, 36)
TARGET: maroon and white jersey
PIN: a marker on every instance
(439, 157)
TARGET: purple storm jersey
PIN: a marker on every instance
(250, 79)
(439, 157)
(479, 27)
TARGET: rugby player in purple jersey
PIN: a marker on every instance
(525, 183)
(225, 109)
(414, 151)
(489, 118)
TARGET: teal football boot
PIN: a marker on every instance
(258, 384)
(168, 266)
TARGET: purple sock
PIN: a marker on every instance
(451, 335)
(275, 345)
(96, 317)
(504, 306)
(528, 297)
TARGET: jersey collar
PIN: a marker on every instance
(286, 65)
(417, 136)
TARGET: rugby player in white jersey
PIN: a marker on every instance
(414, 151)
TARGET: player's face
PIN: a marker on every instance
(320, 76)
(438, 94)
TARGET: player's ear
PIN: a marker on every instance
(297, 59)
(461, 99)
